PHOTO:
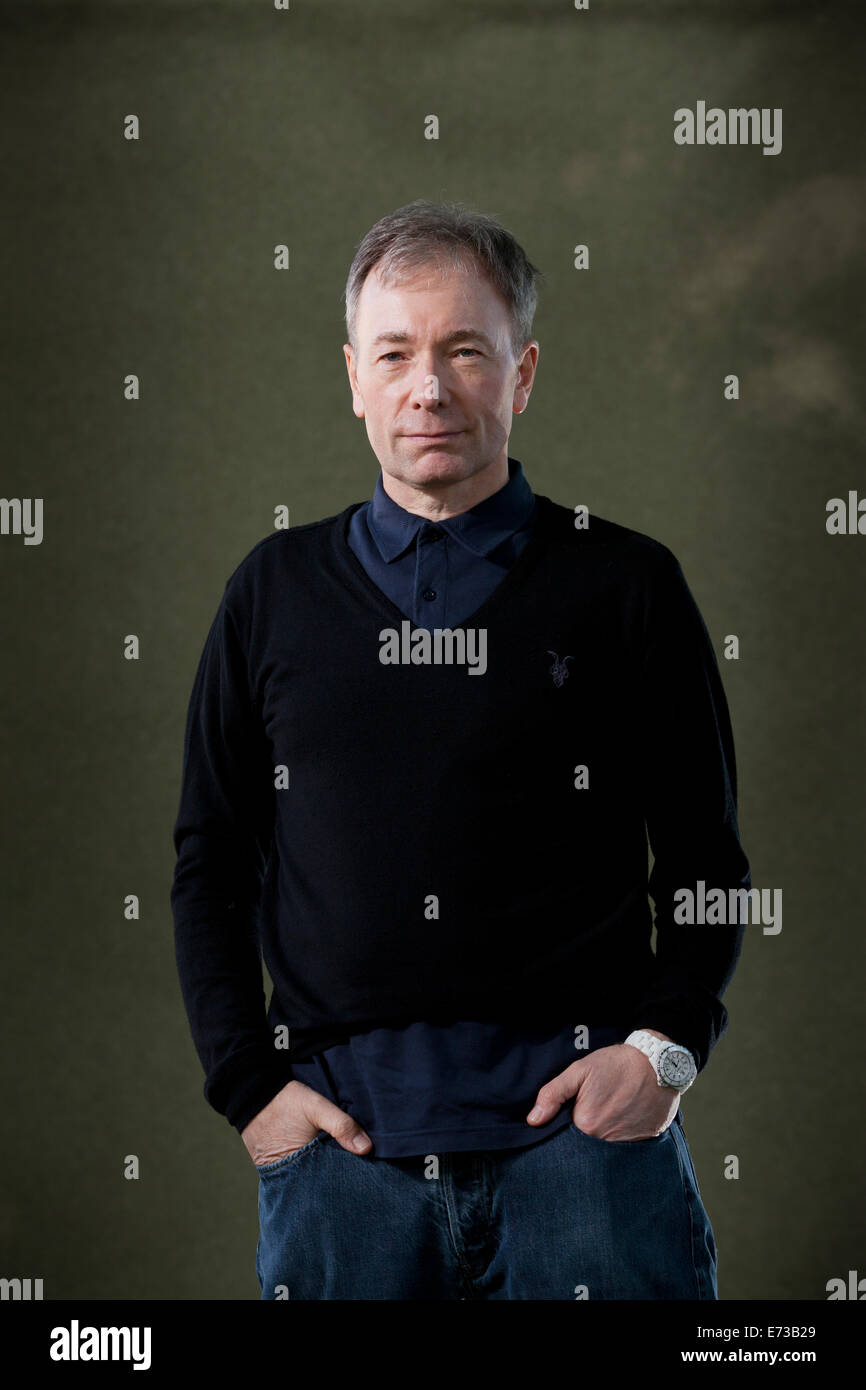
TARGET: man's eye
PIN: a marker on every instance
(394, 354)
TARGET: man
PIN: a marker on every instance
(427, 739)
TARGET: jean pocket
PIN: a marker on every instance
(653, 1141)
(280, 1164)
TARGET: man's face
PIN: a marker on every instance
(434, 374)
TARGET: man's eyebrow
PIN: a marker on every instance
(458, 335)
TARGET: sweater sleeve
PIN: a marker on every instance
(222, 836)
(690, 800)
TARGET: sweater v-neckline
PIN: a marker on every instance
(523, 561)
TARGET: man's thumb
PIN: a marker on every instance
(347, 1132)
(555, 1093)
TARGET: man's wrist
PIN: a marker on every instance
(673, 1065)
(654, 1033)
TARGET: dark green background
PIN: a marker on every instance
(155, 257)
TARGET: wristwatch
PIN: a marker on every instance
(674, 1065)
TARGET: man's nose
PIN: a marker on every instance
(429, 386)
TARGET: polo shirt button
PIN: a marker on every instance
(429, 594)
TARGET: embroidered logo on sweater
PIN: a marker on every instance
(559, 670)
(441, 646)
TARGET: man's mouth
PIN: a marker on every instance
(443, 434)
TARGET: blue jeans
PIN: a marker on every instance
(569, 1217)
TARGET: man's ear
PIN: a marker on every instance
(525, 377)
(357, 402)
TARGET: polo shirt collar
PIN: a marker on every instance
(480, 529)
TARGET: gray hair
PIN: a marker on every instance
(447, 233)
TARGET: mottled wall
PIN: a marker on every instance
(155, 257)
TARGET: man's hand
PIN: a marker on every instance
(618, 1095)
(293, 1118)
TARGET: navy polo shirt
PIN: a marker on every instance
(433, 1086)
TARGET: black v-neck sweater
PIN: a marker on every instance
(410, 841)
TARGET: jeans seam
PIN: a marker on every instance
(446, 1193)
(688, 1203)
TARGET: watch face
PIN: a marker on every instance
(676, 1067)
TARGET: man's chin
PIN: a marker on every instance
(434, 462)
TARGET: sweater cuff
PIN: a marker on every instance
(684, 1026)
(245, 1083)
